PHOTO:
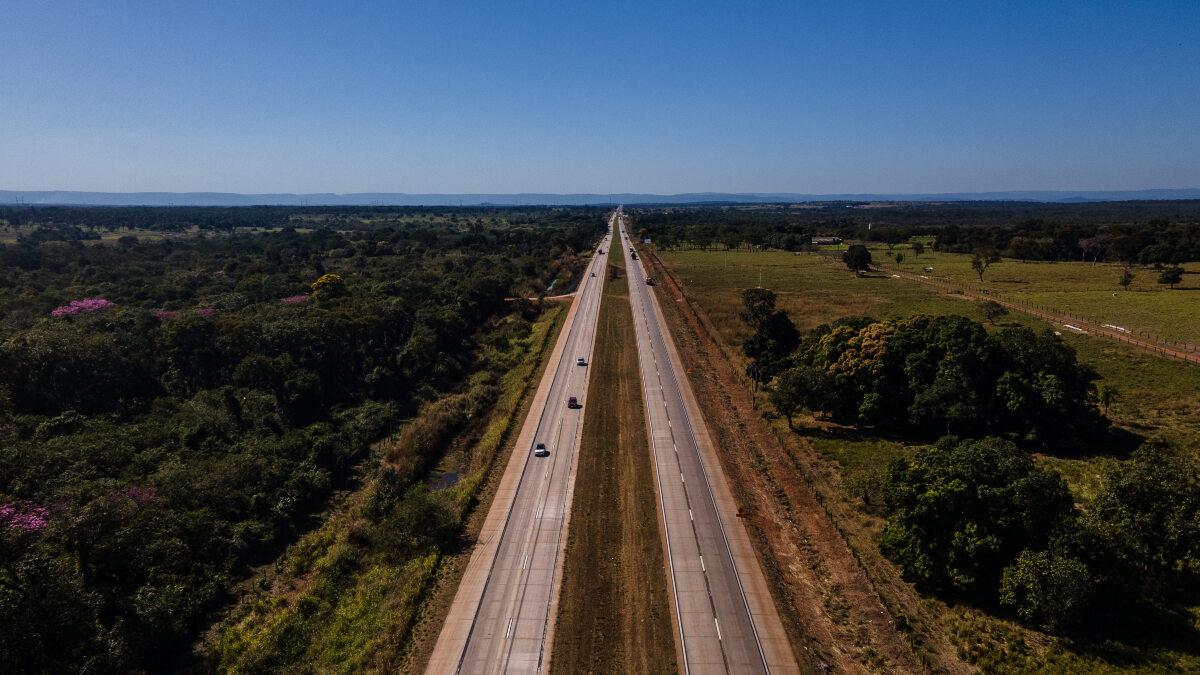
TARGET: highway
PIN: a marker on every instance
(725, 616)
(502, 617)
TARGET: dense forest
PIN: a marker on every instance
(173, 412)
(1131, 232)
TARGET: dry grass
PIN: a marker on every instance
(614, 614)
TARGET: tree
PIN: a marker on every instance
(758, 303)
(899, 257)
(962, 511)
(1107, 395)
(1171, 276)
(983, 260)
(1147, 514)
(857, 258)
(328, 286)
(918, 248)
(992, 310)
(1023, 248)
(798, 387)
(1126, 277)
(770, 346)
(1047, 590)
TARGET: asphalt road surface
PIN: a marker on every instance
(725, 616)
(501, 620)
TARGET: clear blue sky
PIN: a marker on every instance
(599, 97)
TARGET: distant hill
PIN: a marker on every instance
(528, 199)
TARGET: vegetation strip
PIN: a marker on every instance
(349, 595)
(613, 608)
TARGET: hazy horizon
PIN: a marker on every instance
(606, 98)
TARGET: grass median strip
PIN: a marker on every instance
(614, 614)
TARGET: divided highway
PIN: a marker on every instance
(725, 615)
(502, 617)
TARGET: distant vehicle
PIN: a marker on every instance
(573, 402)
(581, 361)
(633, 255)
(928, 270)
(649, 281)
(540, 450)
(593, 274)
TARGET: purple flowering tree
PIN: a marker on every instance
(81, 306)
(28, 518)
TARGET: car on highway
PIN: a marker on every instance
(539, 450)
(573, 402)
(581, 361)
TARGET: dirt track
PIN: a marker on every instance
(1073, 323)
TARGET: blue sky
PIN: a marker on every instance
(599, 97)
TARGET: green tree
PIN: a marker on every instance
(992, 311)
(899, 257)
(1147, 514)
(961, 511)
(770, 346)
(1047, 590)
(918, 248)
(857, 258)
(757, 304)
(798, 387)
(982, 260)
(1023, 248)
(1126, 277)
(1171, 276)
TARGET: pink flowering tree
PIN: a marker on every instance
(294, 300)
(81, 306)
(26, 518)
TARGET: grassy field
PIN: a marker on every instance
(1159, 399)
(613, 613)
(337, 601)
(1082, 289)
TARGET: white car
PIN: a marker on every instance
(539, 450)
(581, 361)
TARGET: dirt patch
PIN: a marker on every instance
(840, 609)
(614, 615)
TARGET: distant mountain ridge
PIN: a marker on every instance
(66, 197)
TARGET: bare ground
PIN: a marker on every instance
(844, 608)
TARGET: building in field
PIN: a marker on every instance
(819, 241)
